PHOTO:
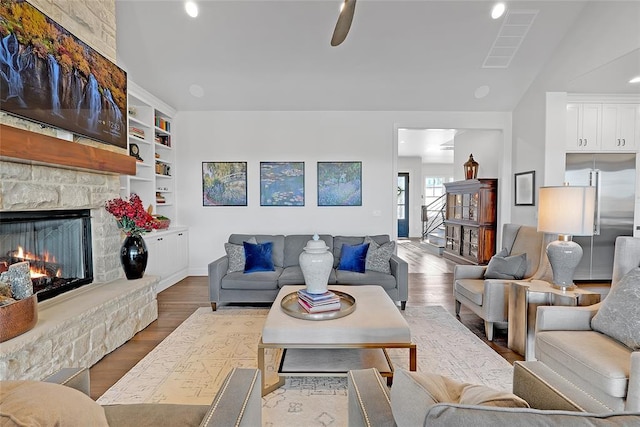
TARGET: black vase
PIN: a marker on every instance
(133, 256)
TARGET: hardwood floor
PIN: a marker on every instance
(174, 306)
(430, 283)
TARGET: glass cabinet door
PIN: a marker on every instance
(457, 213)
(473, 207)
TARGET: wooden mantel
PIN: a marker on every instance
(25, 145)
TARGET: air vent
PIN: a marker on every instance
(515, 27)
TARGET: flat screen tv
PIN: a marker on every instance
(48, 75)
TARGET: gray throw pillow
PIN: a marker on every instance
(619, 313)
(378, 256)
(506, 267)
(236, 255)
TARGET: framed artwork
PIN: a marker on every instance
(281, 183)
(224, 183)
(525, 185)
(339, 183)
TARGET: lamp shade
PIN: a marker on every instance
(567, 210)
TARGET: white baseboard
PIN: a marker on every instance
(204, 271)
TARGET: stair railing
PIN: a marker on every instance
(433, 215)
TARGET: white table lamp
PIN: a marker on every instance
(566, 211)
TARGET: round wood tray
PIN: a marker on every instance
(291, 307)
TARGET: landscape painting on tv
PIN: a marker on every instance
(49, 76)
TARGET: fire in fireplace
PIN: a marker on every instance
(57, 245)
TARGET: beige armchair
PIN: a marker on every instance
(594, 371)
(63, 399)
(489, 298)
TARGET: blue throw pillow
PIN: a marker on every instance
(258, 257)
(353, 258)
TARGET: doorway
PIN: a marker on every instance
(429, 152)
(403, 204)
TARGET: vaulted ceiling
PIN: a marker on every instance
(399, 55)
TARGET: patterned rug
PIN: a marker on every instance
(190, 364)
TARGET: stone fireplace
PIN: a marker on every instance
(32, 187)
(81, 326)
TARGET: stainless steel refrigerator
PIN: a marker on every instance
(614, 177)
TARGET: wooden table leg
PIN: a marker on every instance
(413, 358)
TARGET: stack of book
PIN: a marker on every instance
(136, 132)
(318, 303)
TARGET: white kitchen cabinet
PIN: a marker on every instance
(584, 123)
(620, 127)
(168, 255)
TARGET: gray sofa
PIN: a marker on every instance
(63, 400)
(263, 286)
(436, 401)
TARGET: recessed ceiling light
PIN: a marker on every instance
(191, 8)
(402, 142)
(635, 80)
(481, 92)
(497, 10)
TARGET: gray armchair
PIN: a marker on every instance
(489, 298)
(412, 401)
(238, 403)
(595, 371)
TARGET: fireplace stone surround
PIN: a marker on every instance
(79, 327)
(32, 187)
(42, 186)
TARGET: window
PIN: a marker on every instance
(434, 188)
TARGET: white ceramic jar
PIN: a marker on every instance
(316, 263)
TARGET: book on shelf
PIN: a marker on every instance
(163, 124)
(334, 306)
(163, 139)
(136, 132)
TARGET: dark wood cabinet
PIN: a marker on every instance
(470, 222)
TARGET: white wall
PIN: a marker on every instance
(485, 145)
(437, 169)
(591, 43)
(370, 137)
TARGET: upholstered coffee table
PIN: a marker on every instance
(335, 346)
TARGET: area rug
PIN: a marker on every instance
(190, 364)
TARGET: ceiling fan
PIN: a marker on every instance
(344, 22)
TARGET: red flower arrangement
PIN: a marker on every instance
(131, 216)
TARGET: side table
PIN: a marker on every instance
(524, 299)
